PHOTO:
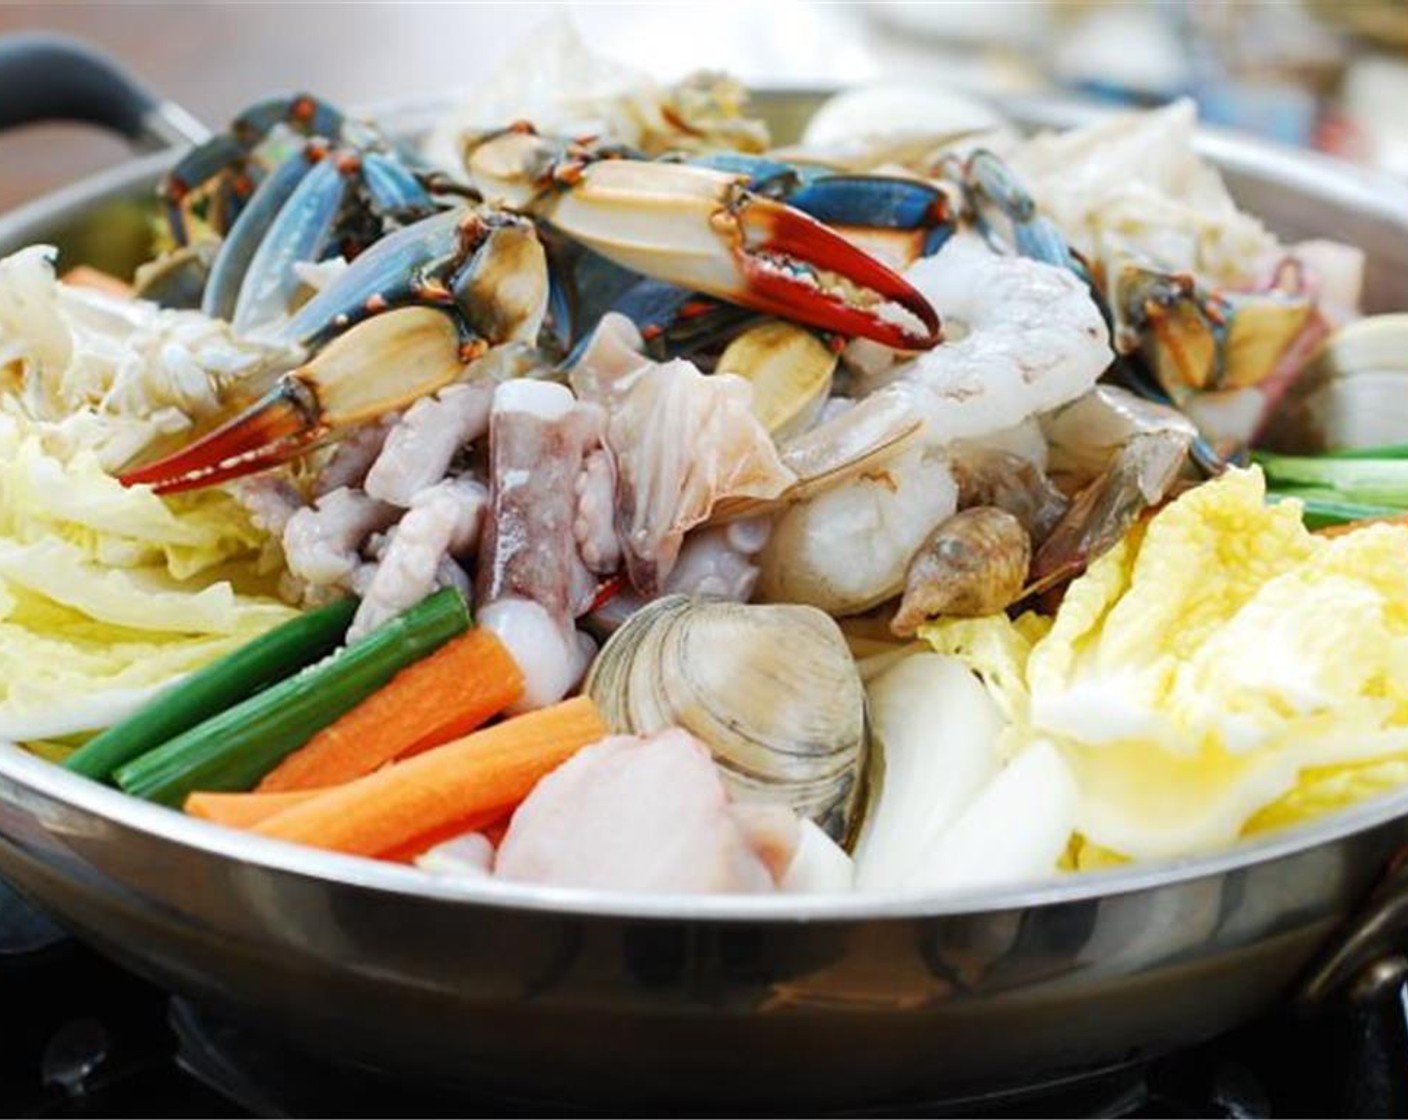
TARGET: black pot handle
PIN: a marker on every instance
(46, 77)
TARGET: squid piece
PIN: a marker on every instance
(322, 542)
(354, 455)
(595, 524)
(419, 449)
(717, 561)
(682, 442)
(270, 502)
(531, 582)
(443, 523)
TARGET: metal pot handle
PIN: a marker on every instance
(46, 77)
(1369, 951)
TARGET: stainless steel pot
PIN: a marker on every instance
(811, 1003)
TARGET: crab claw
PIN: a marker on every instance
(792, 265)
(382, 364)
(703, 230)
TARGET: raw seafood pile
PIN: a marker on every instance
(638, 506)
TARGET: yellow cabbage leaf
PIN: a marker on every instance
(1221, 670)
(109, 594)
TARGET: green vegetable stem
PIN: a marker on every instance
(269, 658)
(234, 749)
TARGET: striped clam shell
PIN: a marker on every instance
(772, 690)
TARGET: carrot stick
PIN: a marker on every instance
(492, 769)
(439, 698)
(242, 810)
(85, 276)
(493, 824)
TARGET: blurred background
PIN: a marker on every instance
(1331, 74)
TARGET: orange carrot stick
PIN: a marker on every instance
(243, 810)
(442, 697)
(491, 769)
(85, 276)
(493, 824)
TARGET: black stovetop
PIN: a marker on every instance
(83, 1037)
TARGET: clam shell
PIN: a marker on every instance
(772, 691)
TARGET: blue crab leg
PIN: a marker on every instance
(704, 231)
(302, 112)
(223, 153)
(301, 231)
(244, 239)
(989, 176)
(393, 270)
(772, 177)
(394, 190)
(197, 166)
(502, 288)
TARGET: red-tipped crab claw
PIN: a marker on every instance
(702, 229)
(382, 364)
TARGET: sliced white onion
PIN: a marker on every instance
(1013, 832)
(820, 866)
(936, 728)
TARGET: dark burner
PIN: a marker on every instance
(265, 1078)
(84, 1037)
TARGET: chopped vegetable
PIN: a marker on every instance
(820, 865)
(233, 750)
(108, 595)
(490, 770)
(1322, 510)
(1342, 487)
(1371, 481)
(1014, 830)
(443, 697)
(271, 657)
(936, 730)
(242, 810)
(1218, 659)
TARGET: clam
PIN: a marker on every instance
(771, 690)
(790, 370)
(973, 564)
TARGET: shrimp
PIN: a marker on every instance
(1026, 338)
(846, 550)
